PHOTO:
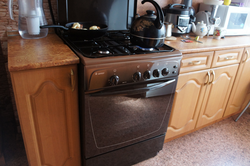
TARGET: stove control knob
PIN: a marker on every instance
(156, 73)
(146, 75)
(165, 71)
(113, 80)
(136, 76)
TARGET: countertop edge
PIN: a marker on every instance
(210, 44)
(28, 54)
(40, 66)
(187, 51)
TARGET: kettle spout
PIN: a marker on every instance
(193, 27)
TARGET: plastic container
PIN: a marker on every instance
(240, 3)
(227, 2)
(31, 17)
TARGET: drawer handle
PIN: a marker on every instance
(213, 73)
(229, 57)
(72, 80)
(247, 55)
(195, 62)
(207, 82)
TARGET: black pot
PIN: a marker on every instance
(149, 30)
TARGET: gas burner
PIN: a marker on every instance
(144, 49)
(113, 43)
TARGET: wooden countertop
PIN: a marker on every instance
(210, 44)
(25, 54)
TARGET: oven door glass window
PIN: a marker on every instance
(237, 21)
(129, 114)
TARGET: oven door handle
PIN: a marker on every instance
(133, 91)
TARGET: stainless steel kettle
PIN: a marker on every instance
(149, 30)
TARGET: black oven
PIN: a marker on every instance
(127, 117)
(125, 91)
(125, 122)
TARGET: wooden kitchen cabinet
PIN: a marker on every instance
(196, 61)
(200, 99)
(189, 95)
(240, 94)
(47, 104)
(227, 57)
(204, 85)
(217, 94)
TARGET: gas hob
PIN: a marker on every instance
(111, 44)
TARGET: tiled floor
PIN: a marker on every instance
(226, 143)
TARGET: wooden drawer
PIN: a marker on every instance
(227, 57)
(196, 61)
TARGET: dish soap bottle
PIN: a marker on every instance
(31, 17)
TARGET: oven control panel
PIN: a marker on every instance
(129, 72)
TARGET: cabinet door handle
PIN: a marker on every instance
(195, 62)
(213, 73)
(229, 57)
(247, 55)
(208, 74)
(72, 80)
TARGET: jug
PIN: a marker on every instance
(31, 17)
(200, 29)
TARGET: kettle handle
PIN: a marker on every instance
(160, 16)
(10, 9)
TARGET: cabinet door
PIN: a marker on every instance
(241, 90)
(187, 102)
(47, 105)
(217, 94)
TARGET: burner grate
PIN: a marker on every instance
(112, 44)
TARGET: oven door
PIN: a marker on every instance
(119, 116)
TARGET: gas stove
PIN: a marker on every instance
(125, 91)
(125, 96)
(113, 43)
